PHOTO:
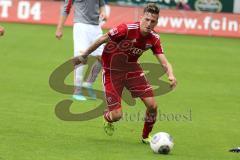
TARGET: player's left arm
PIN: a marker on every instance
(83, 58)
(168, 68)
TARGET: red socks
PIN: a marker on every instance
(106, 116)
(150, 119)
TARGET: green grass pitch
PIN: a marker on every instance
(207, 69)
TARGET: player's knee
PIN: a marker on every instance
(153, 107)
(116, 115)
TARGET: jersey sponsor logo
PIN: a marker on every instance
(136, 51)
(125, 46)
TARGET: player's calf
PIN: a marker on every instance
(150, 117)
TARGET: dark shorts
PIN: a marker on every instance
(115, 81)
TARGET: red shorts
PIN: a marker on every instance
(115, 81)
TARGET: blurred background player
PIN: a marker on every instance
(86, 30)
(120, 67)
(1, 31)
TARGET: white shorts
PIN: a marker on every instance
(84, 35)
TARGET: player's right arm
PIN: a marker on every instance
(65, 12)
(158, 51)
(116, 35)
(168, 68)
(83, 58)
(1, 31)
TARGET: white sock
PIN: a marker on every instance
(78, 78)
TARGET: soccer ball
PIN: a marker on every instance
(161, 143)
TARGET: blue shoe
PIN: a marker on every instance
(79, 97)
(90, 90)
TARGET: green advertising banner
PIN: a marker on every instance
(199, 5)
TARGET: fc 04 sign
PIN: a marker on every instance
(25, 9)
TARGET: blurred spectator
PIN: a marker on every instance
(86, 30)
(182, 5)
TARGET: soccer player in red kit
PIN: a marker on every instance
(125, 44)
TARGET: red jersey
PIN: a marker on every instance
(127, 40)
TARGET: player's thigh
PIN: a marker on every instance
(138, 85)
(113, 91)
(80, 38)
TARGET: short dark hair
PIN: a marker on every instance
(151, 8)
